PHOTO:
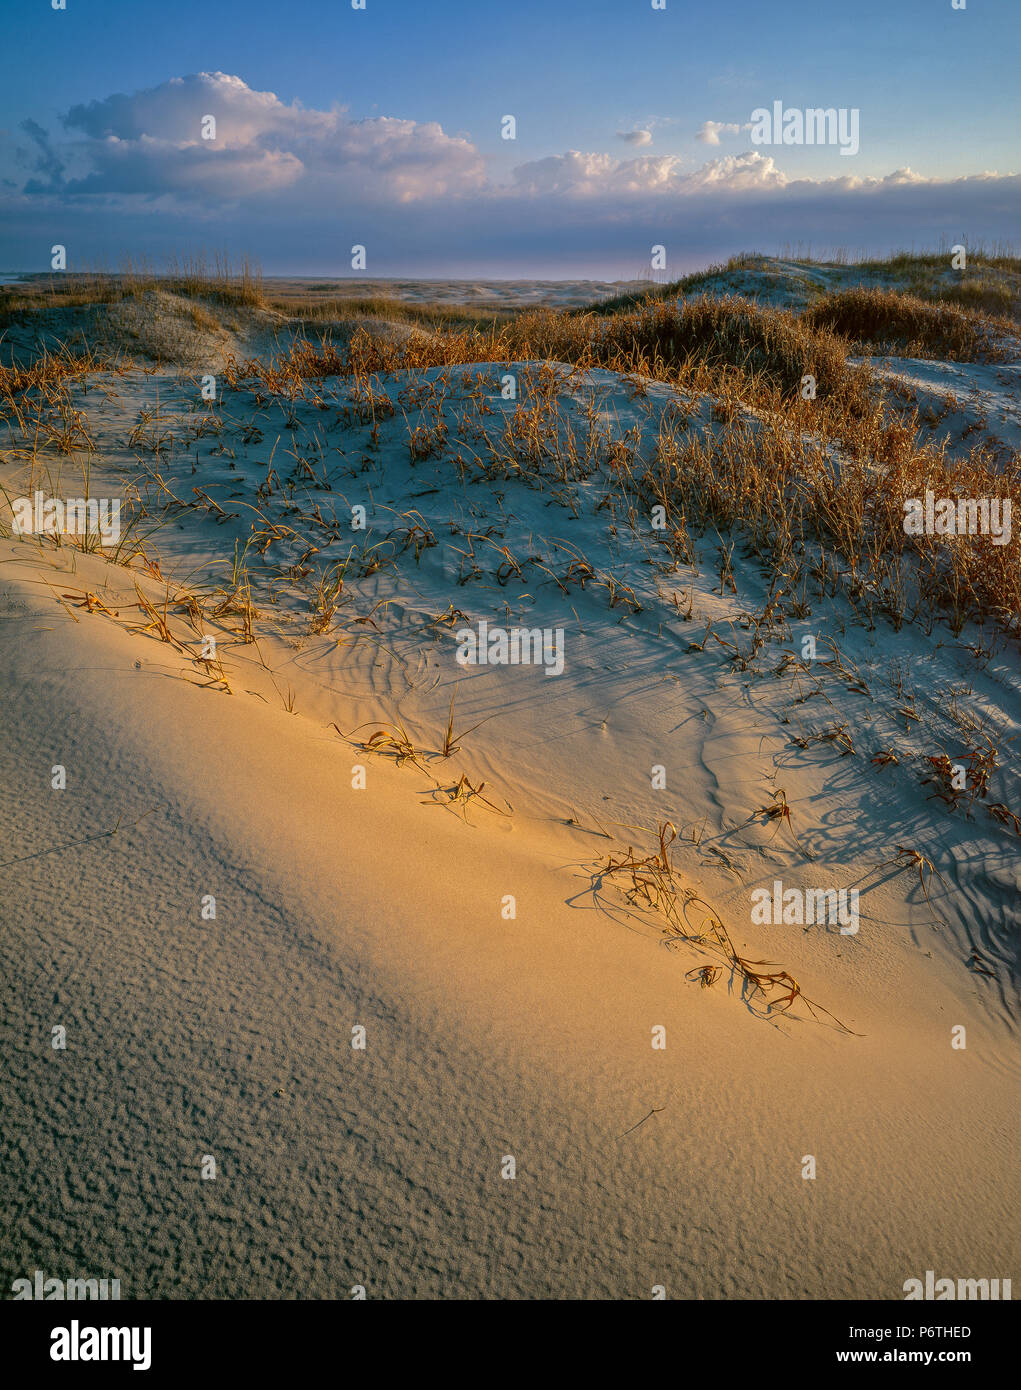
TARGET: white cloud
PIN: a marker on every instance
(635, 137)
(151, 142)
(904, 175)
(736, 171)
(587, 175)
(710, 131)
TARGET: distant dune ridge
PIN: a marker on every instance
(346, 963)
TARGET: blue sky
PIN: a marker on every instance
(385, 130)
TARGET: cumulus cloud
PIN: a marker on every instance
(583, 175)
(710, 131)
(737, 171)
(904, 175)
(151, 143)
(590, 175)
(575, 175)
(157, 167)
(635, 137)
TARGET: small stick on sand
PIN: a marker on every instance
(654, 1111)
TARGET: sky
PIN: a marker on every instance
(383, 127)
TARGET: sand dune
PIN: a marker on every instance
(488, 1036)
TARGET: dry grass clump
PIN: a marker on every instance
(654, 885)
(888, 321)
(45, 375)
(366, 354)
(696, 343)
(220, 281)
(985, 294)
(991, 282)
(830, 520)
(652, 293)
(673, 339)
(1000, 255)
(314, 310)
